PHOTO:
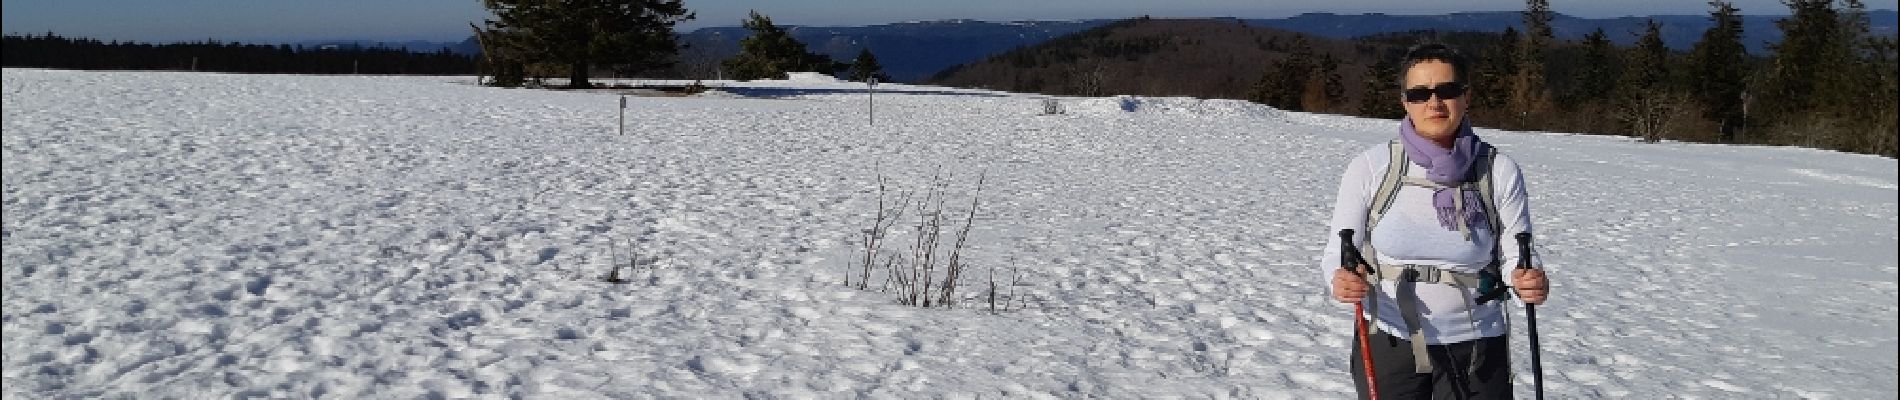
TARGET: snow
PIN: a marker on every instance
(811, 78)
(209, 235)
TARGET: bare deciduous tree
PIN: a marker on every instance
(1649, 115)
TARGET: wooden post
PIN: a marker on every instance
(870, 97)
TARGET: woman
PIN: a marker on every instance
(1438, 236)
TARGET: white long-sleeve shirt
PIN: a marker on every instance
(1409, 233)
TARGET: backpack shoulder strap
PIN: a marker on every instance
(1395, 172)
(1491, 290)
(1395, 169)
(1396, 166)
(1487, 159)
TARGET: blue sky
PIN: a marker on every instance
(446, 20)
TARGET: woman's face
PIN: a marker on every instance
(1436, 117)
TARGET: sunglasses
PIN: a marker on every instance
(1444, 91)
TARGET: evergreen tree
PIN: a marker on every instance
(1646, 103)
(1828, 85)
(1862, 96)
(1380, 98)
(1335, 84)
(506, 65)
(1283, 85)
(580, 34)
(1499, 66)
(1598, 75)
(866, 67)
(1718, 66)
(1529, 91)
(1884, 59)
(1812, 49)
(1325, 90)
(771, 52)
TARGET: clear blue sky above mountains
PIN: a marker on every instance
(446, 20)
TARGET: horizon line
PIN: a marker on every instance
(913, 21)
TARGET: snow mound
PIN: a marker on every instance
(1174, 106)
(717, 93)
(811, 77)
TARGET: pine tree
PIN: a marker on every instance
(1529, 91)
(581, 34)
(1335, 84)
(1324, 90)
(1380, 98)
(866, 67)
(1283, 84)
(1598, 75)
(1810, 50)
(1646, 103)
(1719, 65)
(503, 63)
(1863, 95)
(1826, 81)
(1494, 76)
(771, 52)
(1884, 56)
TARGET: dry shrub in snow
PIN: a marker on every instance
(631, 263)
(931, 270)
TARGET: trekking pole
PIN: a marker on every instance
(1530, 314)
(1350, 260)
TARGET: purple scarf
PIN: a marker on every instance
(1449, 167)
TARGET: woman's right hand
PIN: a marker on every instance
(1349, 287)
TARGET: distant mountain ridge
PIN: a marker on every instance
(467, 47)
(1201, 58)
(909, 51)
(1680, 32)
(912, 51)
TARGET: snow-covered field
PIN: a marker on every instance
(180, 235)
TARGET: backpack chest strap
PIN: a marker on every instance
(1429, 274)
(1407, 277)
(1427, 183)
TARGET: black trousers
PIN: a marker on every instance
(1454, 375)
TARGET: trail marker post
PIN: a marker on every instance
(870, 97)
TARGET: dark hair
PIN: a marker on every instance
(1460, 66)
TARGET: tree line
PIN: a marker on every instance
(53, 51)
(1206, 58)
(528, 40)
(1828, 84)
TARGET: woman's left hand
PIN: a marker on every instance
(1532, 286)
